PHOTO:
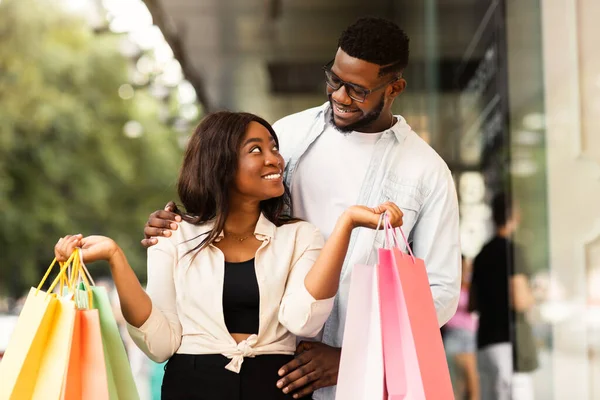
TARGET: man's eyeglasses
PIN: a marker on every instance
(355, 92)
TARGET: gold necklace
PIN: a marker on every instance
(238, 237)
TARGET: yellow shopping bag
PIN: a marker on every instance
(36, 358)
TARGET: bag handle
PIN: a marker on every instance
(393, 234)
(81, 274)
(379, 224)
(406, 243)
(391, 237)
(61, 274)
(84, 268)
(390, 234)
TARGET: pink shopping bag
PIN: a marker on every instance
(361, 365)
(402, 374)
(427, 337)
(412, 342)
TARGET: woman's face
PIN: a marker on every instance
(260, 166)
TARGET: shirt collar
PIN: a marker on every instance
(264, 230)
(400, 129)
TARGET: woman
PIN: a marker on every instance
(230, 289)
(460, 342)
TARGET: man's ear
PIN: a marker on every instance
(397, 87)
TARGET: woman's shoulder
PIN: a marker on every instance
(302, 231)
(296, 225)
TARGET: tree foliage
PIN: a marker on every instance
(65, 164)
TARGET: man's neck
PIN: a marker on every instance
(503, 232)
(379, 126)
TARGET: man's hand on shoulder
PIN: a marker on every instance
(160, 223)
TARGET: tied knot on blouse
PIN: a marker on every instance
(245, 348)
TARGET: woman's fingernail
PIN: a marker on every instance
(286, 390)
(173, 226)
(279, 384)
(281, 372)
(178, 218)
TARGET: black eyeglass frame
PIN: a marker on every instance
(356, 88)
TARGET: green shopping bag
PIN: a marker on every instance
(121, 384)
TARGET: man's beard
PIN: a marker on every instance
(364, 121)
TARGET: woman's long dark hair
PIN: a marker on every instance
(209, 169)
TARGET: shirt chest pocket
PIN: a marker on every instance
(405, 198)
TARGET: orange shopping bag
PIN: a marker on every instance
(86, 376)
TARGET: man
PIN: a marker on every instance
(501, 294)
(353, 150)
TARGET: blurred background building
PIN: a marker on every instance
(97, 98)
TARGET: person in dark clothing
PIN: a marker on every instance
(501, 294)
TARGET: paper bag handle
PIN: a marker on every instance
(58, 278)
(381, 219)
(391, 237)
(82, 274)
(392, 233)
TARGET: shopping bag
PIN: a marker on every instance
(361, 373)
(361, 364)
(55, 359)
(424, 324)
(93, 373)
(402, 373)
(29, 368)
(72, 384)
(86, 375)
(121, 382)
(403, 280)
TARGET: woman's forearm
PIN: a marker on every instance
(323, 279)
(135, 302)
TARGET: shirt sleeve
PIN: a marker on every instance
(437, 241)
(280, 128)
(160, 336)
(520, 264)
(299, 312)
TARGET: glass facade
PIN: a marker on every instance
(522, 120)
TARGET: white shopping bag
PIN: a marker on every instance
(361, 374)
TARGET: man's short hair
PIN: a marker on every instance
(378, 41)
